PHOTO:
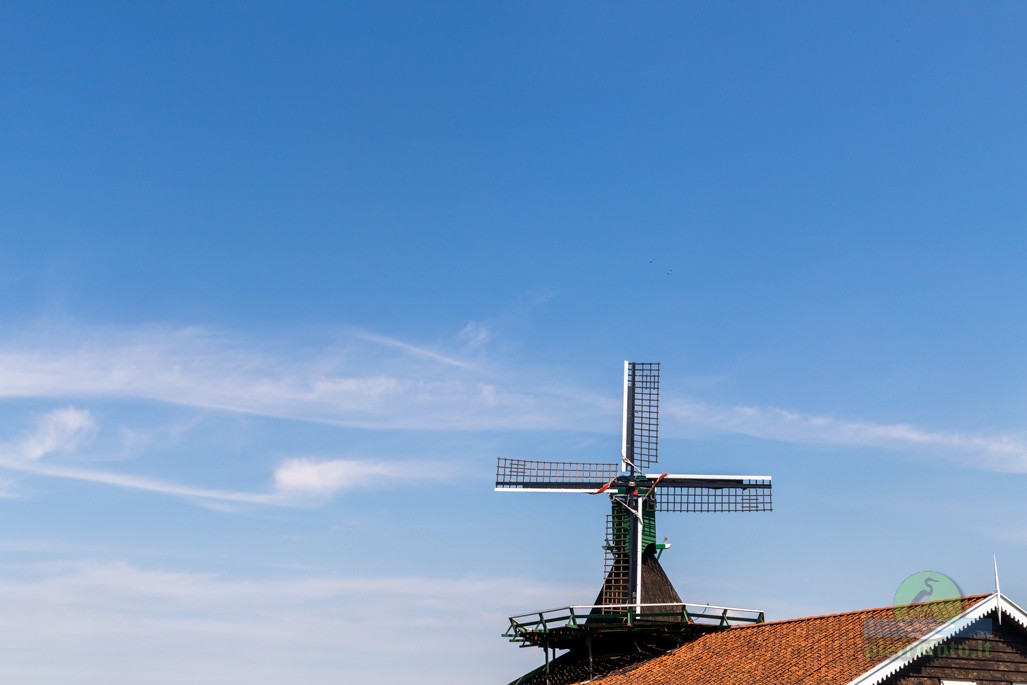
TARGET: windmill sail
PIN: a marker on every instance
(552, 476)
(640, 438)
(714, 493)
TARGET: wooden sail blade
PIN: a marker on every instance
(640, 439)
(689, 493)
(523, 475)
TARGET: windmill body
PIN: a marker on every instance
(636, 594)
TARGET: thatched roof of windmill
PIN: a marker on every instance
(656, 586)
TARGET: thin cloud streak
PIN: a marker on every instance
(298, 482)
(64, 430)
(139, 483)
(412, 349)
(995, 453)
(347, 386)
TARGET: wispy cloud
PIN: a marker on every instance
(86, 615)
(57, 431)
(361, 382)
(413, 349)
(349, 384)
(304, 477)
(8, 488)
(992, 452)
(296, 481)
(131, 482)
(475, 335)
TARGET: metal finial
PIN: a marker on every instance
(998, 589)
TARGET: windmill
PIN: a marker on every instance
(631, 595)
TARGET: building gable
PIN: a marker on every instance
(987, 643)
(986, 653)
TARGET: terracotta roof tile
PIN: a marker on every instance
(819, 650)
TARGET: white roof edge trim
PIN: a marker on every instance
(886, 668)
(1013, 610)
(624, 422)
(705, 476)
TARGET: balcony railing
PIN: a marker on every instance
(532, 628)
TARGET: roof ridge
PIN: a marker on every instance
(975, 598)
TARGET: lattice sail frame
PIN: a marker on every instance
(704, 494)
(673, 493)
(641, 430)
(616, 562)
(560, 476)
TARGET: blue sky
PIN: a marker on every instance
(278, 284)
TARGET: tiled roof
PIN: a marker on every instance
(819, 650)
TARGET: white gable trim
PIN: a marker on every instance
(883, 670)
